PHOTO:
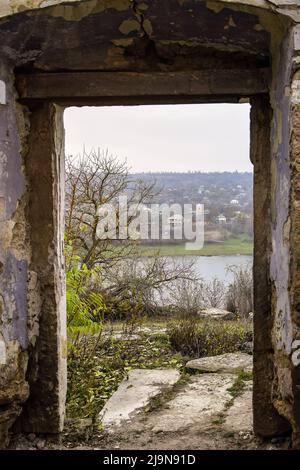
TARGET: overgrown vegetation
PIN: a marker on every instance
(98, 363)
(198, 338)
(99, 360)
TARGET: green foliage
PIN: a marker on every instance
(194, 337)
(84, 305)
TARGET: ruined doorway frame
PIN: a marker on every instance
(47, 133)
(22, 289)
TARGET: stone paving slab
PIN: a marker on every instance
(197, 404)
(134, 393)
(225, 363)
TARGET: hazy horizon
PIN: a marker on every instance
(190, 172)
(165, 138)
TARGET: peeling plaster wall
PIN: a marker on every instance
(285, 266)
(14, 258)
(266, 420)
(280, 217)
(294, 350)
(127, 36)
(32, 282)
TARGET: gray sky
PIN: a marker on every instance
(212, 137)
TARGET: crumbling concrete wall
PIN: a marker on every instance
(266, 420)
(46, 373)
(14, 256)
(285, 257)
(293, 341)
(32, 284)
(141, 36)
(282, 330)
(284, 7)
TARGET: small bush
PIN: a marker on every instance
(195, 338)
(187, 296)
(213, 293)
(239, 296)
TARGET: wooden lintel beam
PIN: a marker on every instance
(76, 86)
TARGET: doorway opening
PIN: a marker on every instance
(152, 301)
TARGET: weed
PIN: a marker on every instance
(239, 384)
(219, 420)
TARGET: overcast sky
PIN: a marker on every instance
(212, 137)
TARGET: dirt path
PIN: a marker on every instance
(203, 412)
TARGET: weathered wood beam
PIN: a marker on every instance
(71, 87)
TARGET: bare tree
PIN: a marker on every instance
(93, 180)
(152, 282)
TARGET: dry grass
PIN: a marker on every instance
(198, 338)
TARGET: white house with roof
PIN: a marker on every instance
(221, 219)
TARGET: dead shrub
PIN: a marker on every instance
(198, 338)
(239, 295)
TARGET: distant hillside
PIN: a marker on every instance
(198, 178)
(222, 193)
(227, 198)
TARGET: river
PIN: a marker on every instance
(209, 267)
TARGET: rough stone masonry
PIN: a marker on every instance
(130, 52)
